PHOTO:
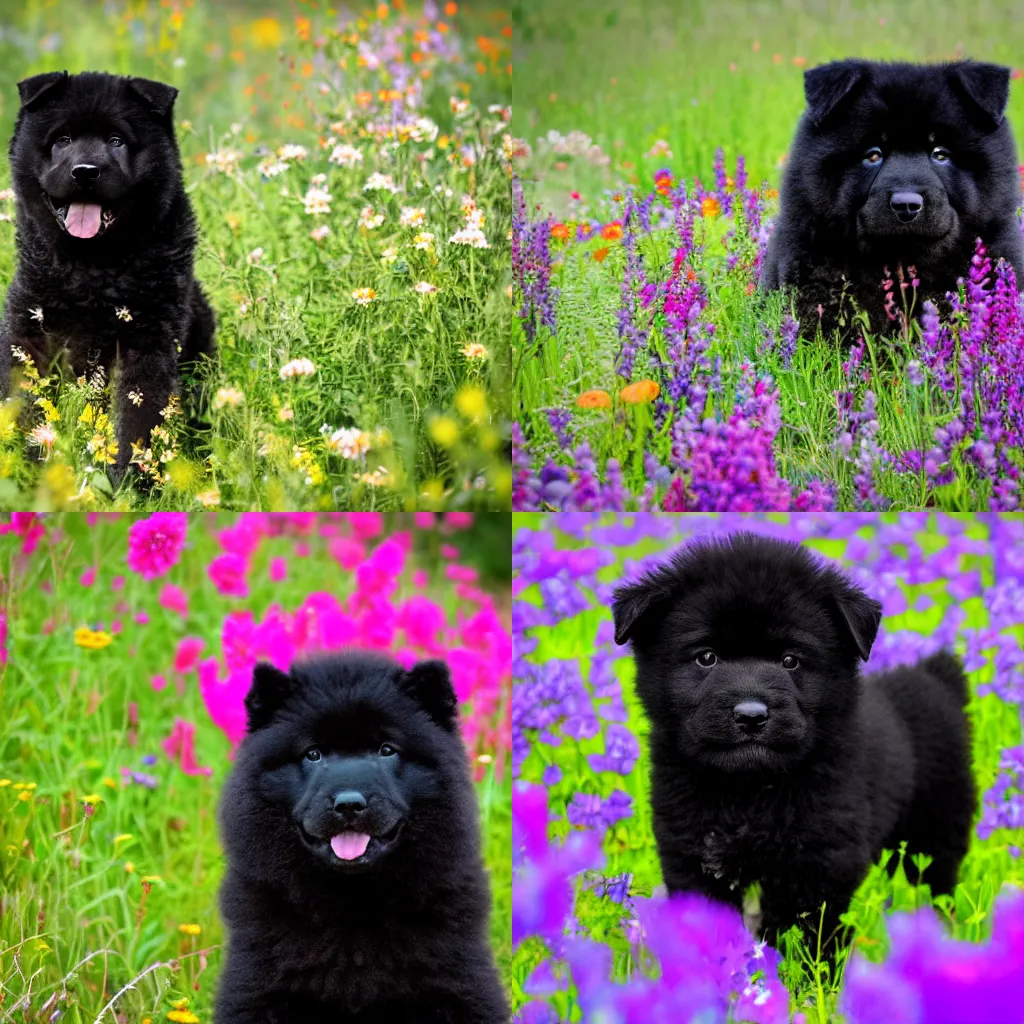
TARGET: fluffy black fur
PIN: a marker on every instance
(352, 743)
(804, 798)
(96, 140)
(872, 135)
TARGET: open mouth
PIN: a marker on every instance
(352, 849)
(82, 219)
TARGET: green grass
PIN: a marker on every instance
(77, 924)
(436, 420)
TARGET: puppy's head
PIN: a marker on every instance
(747, 652)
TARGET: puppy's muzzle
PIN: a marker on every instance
(750, 715)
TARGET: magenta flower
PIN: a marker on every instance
(278, 570)
(88, 578)
(228, 573)
(155, 544)
(379, 573)
(187, 654)
(180, 747)
(174, 599)
(348, 553)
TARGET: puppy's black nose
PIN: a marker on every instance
(906, 205)
(349, 802)
(85, 172)
(750, 715)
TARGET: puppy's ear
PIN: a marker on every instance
(159, 96)
(987, 85)
(860, 613)
(270, 689)
(828, 85)
(633, 601)
(429, 683)
(35, 90)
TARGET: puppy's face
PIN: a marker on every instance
(746, 656)
(909, 158)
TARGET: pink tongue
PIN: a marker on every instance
(349, 845)
(83, 219)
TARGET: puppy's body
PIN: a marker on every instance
(841, 767)
(106, 243)
(893, 167)
(355, 890)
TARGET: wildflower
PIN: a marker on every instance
(345, 155)
(317, 200)
(370, 219)
(560, 231)
(612, 232)
(424, 240)
(474, 350)
(472, 234)
(174, 599)
(6, 194)
(225, 161)
(412, 216)
(389, 256)
(424, 287)
(49, 409)
(135, 397)
(228, 396)
(458, 106)
(182, 1017)
(471, 401)
(155, 543)
(639, 392)
(290, 151)
(189, 929)
(364, 296)
(380, 183)
(285, 414)
(600, 254)
(44, 435)
(297, 368)
(255, 256)
(123, 313)
(380, 477)
(92, 640)
(595, 399)
(444, 430)
(659, 148)
(320, 232)
(710, 207)
(271, 168)
(318, 179)
(349, 442)
(209, 499)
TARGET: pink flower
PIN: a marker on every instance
(366, 525)
(449, 551)
(420, 579)
(424, 520)
(28, 526)
(174, 599)
(116, 626)
(422, 621)
(141, 618)
(88, 578)
(187, 654)
(180, 747)
(3, 638)
(379, 573)
(228, 573)
(245, 536)
(461, 573)
(117, 583)
(459, 520)
(225, 701)
(155, 544)
(278, 570)
(158, 683)
(348, 553)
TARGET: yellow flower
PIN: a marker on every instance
(49, 409)
(109, 782)
(266, 32)
(92, 640)
(25, 795)
(4, 782)
(444, 430)
(129, 867)
(189, 929)
(472, 403)
(183, 1017)
(124, 837)
(92, 798)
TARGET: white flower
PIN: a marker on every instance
(6, 194)
(123, 313)
(380, 477)
(369, 219)
(228, 396)
(364, 296)
(255, 256)
(660, 148)
(37, 313)
(424, 130)
(346, 155)
(424, 287)
(458, 106)
(319, 233)
(224, 160)
(474, 350)
(317, 200)
(43, 435)
(292, 152)
(297, 368)
(285, 413)
(349, 442)
(271, 168)
(424, 240)
(318, 179)
(20, 354)
(380, 183)
(209, 499)
(135, 397)
(412, 216)
(470, 236)
(389, 256)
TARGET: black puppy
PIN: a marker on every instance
(106, 241)
(773, 761)
(355, 890)
(896, 166)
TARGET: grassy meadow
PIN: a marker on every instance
(630, 121)
(111, 754)
(348, 173)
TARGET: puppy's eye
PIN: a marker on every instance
(115, 140)
(707, 658)
(313, 754)
(789, 663)
(64, 140)
(873, 157)
(941, 155)
(386, 750)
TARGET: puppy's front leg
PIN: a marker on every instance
(146, 380)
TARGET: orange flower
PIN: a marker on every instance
(709, 207)
(451, 10)
(560, 231)
(730, 183)
(600, 254)
(595, 399)
(611, 232)
(640, 391)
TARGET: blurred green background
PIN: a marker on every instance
(701, 74)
